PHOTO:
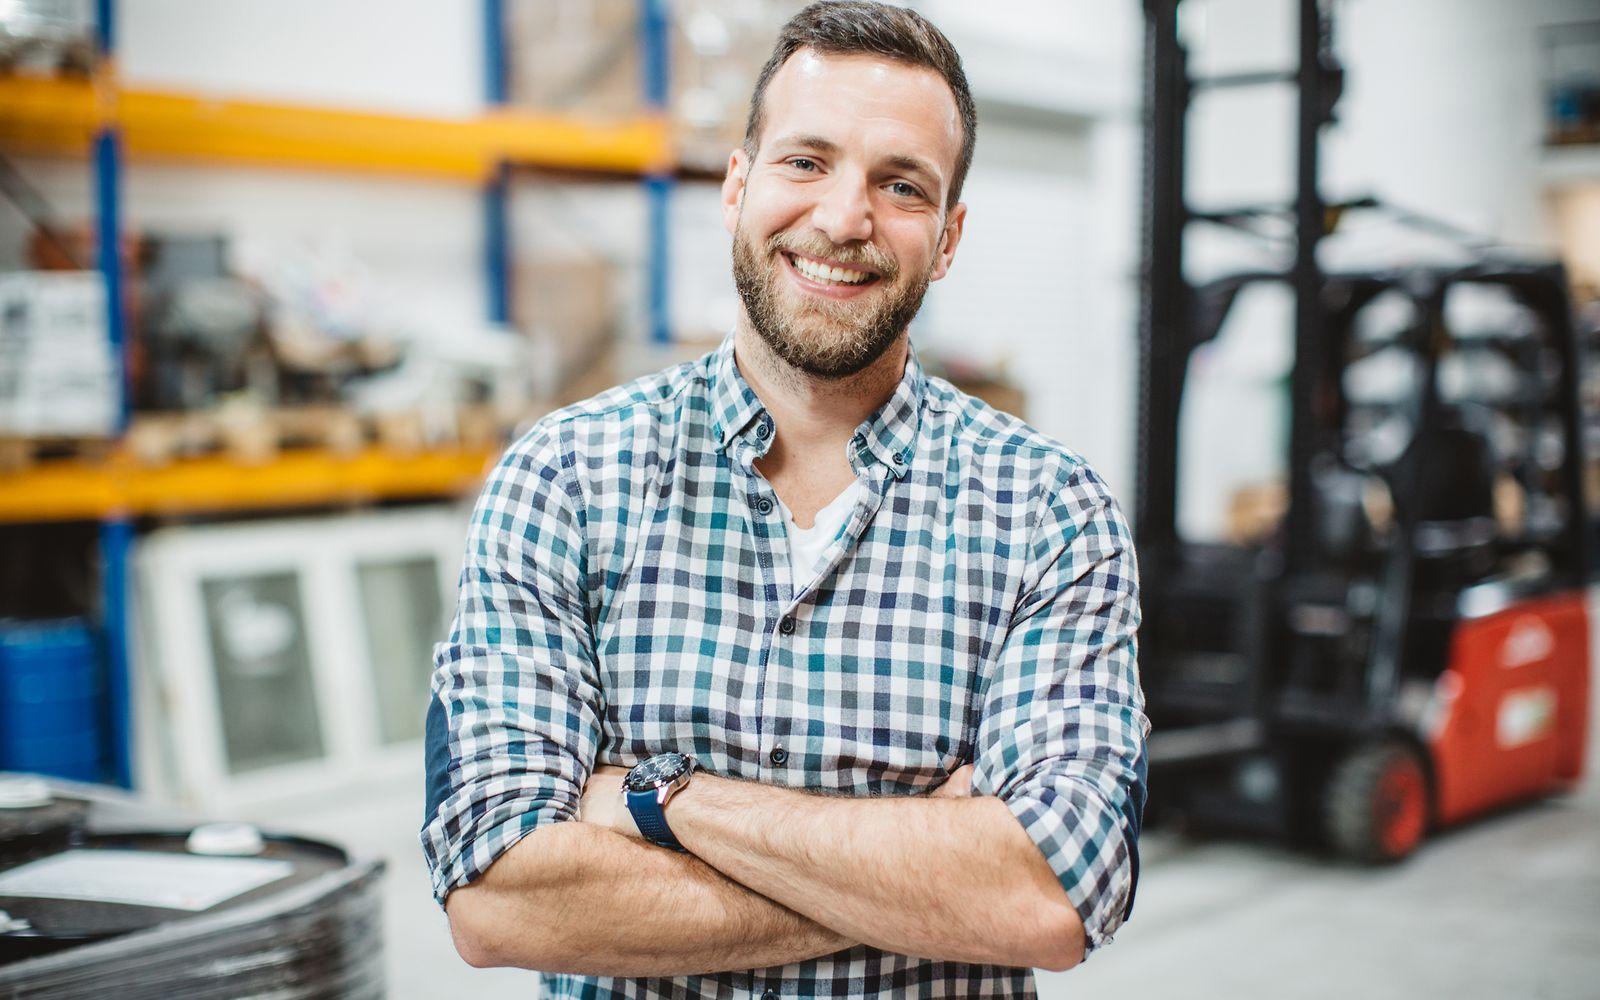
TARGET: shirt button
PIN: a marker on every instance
(899, 458)
(763, 430)
(786, 626)
(769, 995)
(763, 505)
(779, 755)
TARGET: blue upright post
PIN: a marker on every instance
(497, 192)
(658, 194)
(655, 42)
(108, 244)
(105, 25)
(494, 51)
(116, 541)
(497, 243)
(116, 533)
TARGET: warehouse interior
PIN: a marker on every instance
(280, 282)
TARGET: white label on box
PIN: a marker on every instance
(58, 374)
(142, 878)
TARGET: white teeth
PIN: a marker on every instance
(826, 274)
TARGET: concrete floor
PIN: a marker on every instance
(1507, 907)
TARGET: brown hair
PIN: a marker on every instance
(862, 27)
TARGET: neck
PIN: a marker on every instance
(816, 412)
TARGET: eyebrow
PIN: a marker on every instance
(899, 161)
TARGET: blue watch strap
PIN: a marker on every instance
(652, 821)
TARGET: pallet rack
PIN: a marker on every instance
(114, 125)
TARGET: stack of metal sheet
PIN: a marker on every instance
(98, 896)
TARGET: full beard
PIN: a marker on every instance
(825, 338)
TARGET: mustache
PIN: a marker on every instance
(863, 256)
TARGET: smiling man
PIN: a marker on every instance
(793, 671)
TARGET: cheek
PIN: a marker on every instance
(770, 206)
(916, 246)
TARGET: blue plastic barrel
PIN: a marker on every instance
(51, 699)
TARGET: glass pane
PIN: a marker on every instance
(402, 610)
(265, 692)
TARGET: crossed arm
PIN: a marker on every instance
(774, 876)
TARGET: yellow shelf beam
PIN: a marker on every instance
(74, 490)
(59, 117)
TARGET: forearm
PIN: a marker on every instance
(573, 897)
(944, 878)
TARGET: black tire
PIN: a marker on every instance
(1375, 803)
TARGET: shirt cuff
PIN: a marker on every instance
(455, 861)
(1086, 843)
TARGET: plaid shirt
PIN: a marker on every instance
(626, 592)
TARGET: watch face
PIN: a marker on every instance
(657, 771)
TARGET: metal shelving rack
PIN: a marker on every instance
(115, 124)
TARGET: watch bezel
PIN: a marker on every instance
(682, 766)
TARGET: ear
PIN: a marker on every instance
(948, 240)
(733, 188)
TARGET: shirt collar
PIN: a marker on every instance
(887, 438)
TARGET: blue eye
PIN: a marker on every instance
(904, 189)
(802, 163)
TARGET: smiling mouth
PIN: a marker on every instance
(829, 274)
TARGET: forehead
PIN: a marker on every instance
(866, 104)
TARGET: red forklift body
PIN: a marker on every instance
(1515, 703)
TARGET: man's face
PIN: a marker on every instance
(838, 221)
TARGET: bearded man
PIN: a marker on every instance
(793, 671)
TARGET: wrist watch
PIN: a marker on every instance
(646, 790)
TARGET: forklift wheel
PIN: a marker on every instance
(1376, 803)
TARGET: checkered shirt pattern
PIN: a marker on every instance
(626, 592)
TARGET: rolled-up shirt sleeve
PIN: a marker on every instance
(513, 722)
(1062, 733)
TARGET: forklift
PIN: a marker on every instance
(1404, 645)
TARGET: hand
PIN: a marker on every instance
(603, 805)
(957, 786)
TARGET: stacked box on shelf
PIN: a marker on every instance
(58, 375)
(718, 49)
(576, 57)
(50, 699)
(583, 57)
(568, 307)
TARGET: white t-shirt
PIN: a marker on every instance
(806, 545)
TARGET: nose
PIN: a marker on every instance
(843, 212)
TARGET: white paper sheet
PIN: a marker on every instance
(143, 878)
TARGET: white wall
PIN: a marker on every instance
(1046, 277)
(416, 56)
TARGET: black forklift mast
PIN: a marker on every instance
(1175, 319)
(1170, 320)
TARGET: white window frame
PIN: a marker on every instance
(182, 752)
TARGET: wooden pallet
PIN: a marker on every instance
(252, 436)
(258, 436)
(249, 436)
(26, 452)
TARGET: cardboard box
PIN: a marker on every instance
(568, 307)
(576, 57)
